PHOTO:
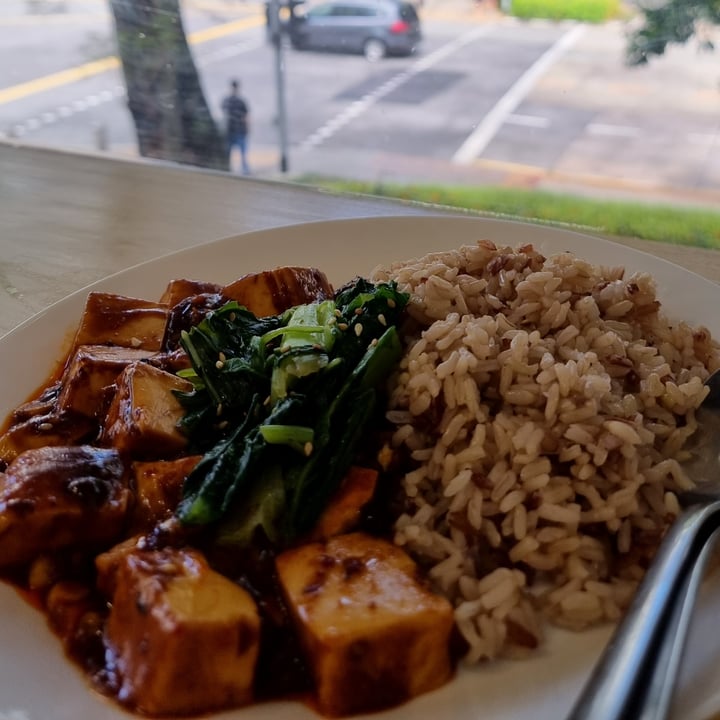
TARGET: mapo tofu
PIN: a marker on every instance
(144, 496)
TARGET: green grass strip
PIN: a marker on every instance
(586, 10)
(679, 225)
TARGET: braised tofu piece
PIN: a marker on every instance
(273, 291)
(158, 489)
(373, 635)
(181, 288)
(342, 513)
(56, 497)
(41, 430)
(143, 417)
(185, 638)
(91, 370)
(108, 563)
(125, 321)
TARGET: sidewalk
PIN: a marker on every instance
(379, 168)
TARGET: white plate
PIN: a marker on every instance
(38, 683)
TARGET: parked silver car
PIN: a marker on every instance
(375, 28)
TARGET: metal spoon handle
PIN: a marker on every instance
(620, 677)
(658, 689)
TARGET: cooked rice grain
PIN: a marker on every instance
(544, 405)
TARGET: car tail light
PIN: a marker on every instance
(399, 27)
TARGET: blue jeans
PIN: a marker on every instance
(240, 142)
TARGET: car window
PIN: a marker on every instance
(407, 12)
(321, 10)
(353, 11)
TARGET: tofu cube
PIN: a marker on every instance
(110, 319)
(55, 497)
(342, 513)
(144, 413)
(185, 638)
(91, 370)
(373, 634)
(158, 489)
(181, 288)
(274, 291)
(107, 563)
(42, 430)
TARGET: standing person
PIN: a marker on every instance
(236, 112)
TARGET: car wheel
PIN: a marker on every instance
(374, 49)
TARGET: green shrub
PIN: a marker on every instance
(586, 10)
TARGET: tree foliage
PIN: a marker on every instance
(165, 97)
(670, 22)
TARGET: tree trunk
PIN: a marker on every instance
(165, 98)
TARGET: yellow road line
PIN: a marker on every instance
(218, 31)
(64, 77)
(97, 67)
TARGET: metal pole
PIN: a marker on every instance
(276, 32)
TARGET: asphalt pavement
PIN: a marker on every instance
(663, 120)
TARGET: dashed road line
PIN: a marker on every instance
(533, 121)
(64, 112)
(613, 130)
(358, 107)
(704, 138)
(81, 105)
(492, 122)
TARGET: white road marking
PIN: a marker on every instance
(492, 122)
(613, 130)
(535, 121)
(358, 107)
(104, 96)
(704, 138)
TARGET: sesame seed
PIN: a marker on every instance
(45, 426)
(373, 342)
(284, 348)
(232, 316)
(332, 321)
(359, 311)
(135, 342)
(358, 329)
(343, 326)
(219, 364)
(307, 449)
(222, 357)
(266, 401)
(338, 313)
(219, 409)
(382, 320)
(222, 425)
(391, 303)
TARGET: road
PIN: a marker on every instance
(487, 100)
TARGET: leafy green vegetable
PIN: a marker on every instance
(280, 405)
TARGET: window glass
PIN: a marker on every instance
(595, 101)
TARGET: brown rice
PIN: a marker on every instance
(543, 406)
